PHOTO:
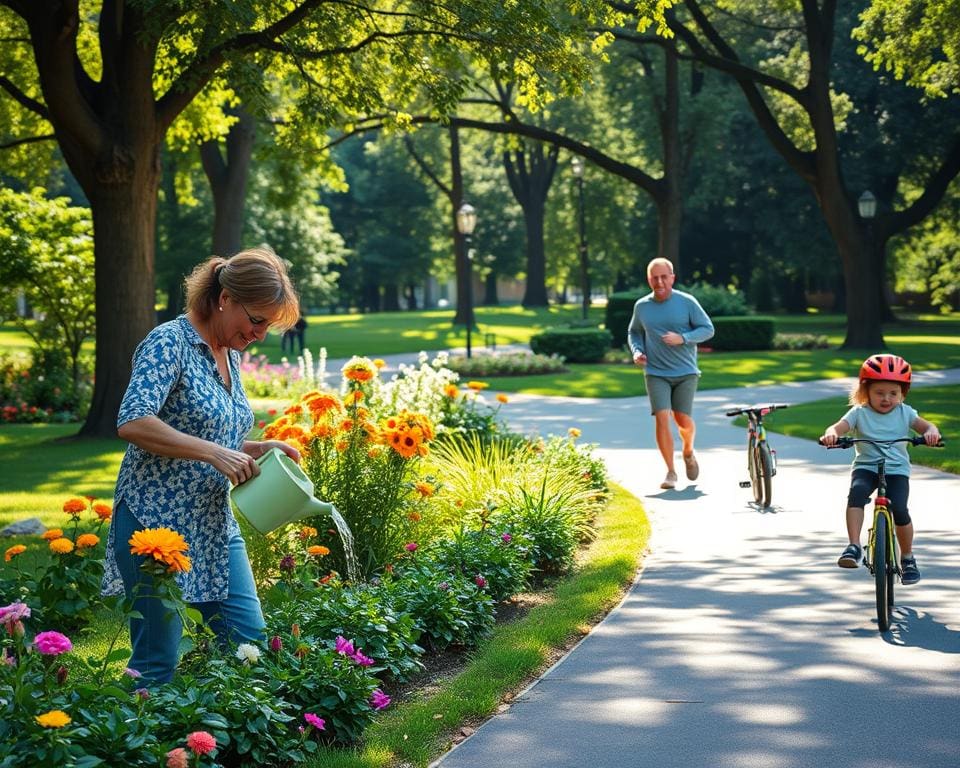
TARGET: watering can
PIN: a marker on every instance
(280, 494)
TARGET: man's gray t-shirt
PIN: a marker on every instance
(681, 313)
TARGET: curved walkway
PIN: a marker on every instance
(741, 643)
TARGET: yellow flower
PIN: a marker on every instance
(53, 533)
(74, 506)
(353, 397)
(55, 718)
(318, 550)
(12, 552)
(85, 540)
(102, 510)
(61, 546)
(573, 432)
(379, 363)
(163, 545)
(476, 386)
(502, 398)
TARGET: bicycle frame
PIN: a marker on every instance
(761, 458)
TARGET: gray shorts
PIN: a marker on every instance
(671, 393)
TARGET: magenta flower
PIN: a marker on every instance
(410, 546)
(363, 661)
(11, 616)
(316, 722)
(379, 700)
(480, 582)
(507, 538)
(142, 694)
(343, 646)
(131, 672)
(276, 644)
(52, 643)
(287, 563)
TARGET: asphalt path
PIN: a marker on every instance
(741, 644)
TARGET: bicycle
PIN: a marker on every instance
(881, 556)
(761, 457)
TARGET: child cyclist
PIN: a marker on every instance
(879, 413)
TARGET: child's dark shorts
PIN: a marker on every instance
(863, 482)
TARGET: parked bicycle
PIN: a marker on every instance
(882, 553)
(761, 457)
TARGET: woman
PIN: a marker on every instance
(186, 418)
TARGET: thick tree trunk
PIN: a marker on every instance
(535, 293)
(124, 223)
(490, 297)
(391, 297)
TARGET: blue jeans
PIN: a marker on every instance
(156, 637)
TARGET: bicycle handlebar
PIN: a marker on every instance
(757, 409)
(848, 442)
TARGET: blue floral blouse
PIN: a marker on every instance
(175, 378)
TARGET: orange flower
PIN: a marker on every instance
(321, 430)
(61, 546)
(320, 404)
(74, 506)
(451, 391)
(53, 533)
(318, 550)
(352, 398)
(502, 398)
(342, 445)
(414, 517)
(358, 369)
(573, 432)
(424, 489)
(294, 410)
(164, 545)
(87, 540)
(102, 510)
(12, 552)
(307, 532)
(476, 386)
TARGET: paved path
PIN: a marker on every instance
(741, 644)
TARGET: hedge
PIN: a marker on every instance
(575, 345)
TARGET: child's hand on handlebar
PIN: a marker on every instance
(931, 436)
(829, 437)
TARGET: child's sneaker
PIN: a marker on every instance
(910, 574)
(852, 557)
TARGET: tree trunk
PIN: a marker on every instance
(124, 222)
(228, 182)
(391, 297)
(535, 293)
(490, 297)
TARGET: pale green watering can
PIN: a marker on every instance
(280, 494)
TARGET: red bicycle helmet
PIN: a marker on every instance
(887, 368)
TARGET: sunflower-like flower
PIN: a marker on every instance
(164, 545)
(359, 369)
(53, 533)
(75, 506)
(61, 546)
(87, 540)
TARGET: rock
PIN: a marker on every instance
(25, 527)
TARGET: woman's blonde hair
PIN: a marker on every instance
(255, 277)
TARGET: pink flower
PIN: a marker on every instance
(343, 646)
(201, 742)
(379, 700)
(316, 722)
(52, 643)
(276, 644)
(507, 538)
(131, 672)
(142, 693)
(363, 661)
(480, 582)
(11, 616)
(410, 546)
(178, 758)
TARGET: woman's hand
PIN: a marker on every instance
(236, 466)
(258, 448)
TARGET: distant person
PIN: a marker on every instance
(293, 336)
(879, 412)
(186, 418)
(664, 332)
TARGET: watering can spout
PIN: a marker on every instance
(279, 495)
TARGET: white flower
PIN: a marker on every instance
(248, 654)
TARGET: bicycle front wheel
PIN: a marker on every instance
(765, 467)
(882, 572)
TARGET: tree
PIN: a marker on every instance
(157, 60)
(789, 88)
(47, 248)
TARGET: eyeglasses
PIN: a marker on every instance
(256, 321)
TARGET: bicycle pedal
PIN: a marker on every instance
(745, 483)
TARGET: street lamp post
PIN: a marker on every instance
(577, 164)
(466, 222)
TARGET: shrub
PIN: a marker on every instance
(546, 522)
(792, 341)
(499, 557)
(447, 609)
(574, 345)
(507, 364)
(741, 333)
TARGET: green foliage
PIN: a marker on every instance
(800, 341)
(498, 558)
(742, 333)
(718, 301)
(574, 345)
(506, 364)
(619, 312)
(446, 608)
